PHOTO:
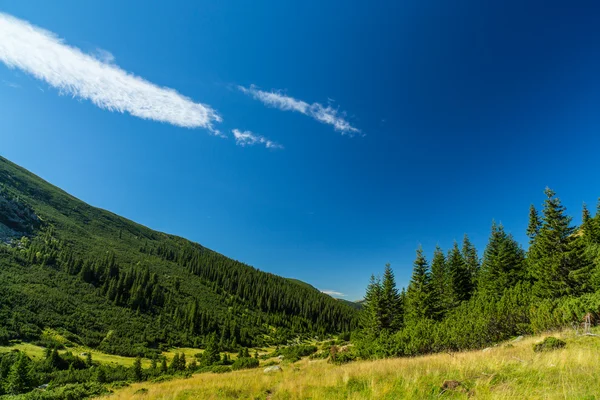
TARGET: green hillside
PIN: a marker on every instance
(108, 283)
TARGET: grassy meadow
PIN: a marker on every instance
(510, 370)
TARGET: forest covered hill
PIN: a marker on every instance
(109, 283)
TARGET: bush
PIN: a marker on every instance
(295, 353)
(320, 355)
(549, 344)
(245, 363)
(221, 369)
(343, 357)
(49, 343)
(162, 378)
(69, 392)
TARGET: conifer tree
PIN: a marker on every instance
(585, 215)
(211, 352)
(554, 258)
(372, 314)
(100, 374)
(503, 263)
(175, 363)
(18, 380)
(534, 224)
(460, 278)
(182, 362)
(469, 253)
(138, 374)
(440, 283)
(53, 360)
(418, 296)
(392, 312)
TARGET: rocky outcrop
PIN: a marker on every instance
(273, 368)
(16, 218)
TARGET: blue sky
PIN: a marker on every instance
(375, 126)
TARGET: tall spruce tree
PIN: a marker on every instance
(584, 247)
(460, 278)
(554, 256)
(137, 372)
(372, 313)
(533, 228)
(391, 305)
(440, 282)
(419, 303)
(469, 253)
(503, 263)
(18, 379)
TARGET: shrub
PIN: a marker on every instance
(320, 355)
(221, 369)
(343, 358)
(245, 363)
(549, 344)
(69, 392)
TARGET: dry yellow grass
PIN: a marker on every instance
(503, 372)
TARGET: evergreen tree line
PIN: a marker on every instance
(178, 318)
(459, 301)
(307, 309)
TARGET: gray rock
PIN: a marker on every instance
(273, 368)
(517, 339)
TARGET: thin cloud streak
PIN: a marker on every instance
(11, 84)
(45, 56)
(247, 138)
(333, 293)
(327, 115)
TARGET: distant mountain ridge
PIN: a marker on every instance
(111, 283)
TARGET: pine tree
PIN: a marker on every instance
(533, 229)
(182, 362)
(18, 380)
(554, 257)
(469, 253)
(392, 313)
(138, 373)
(53, 360)
(503, 263)
(440, 283)
(371, 314)
(211, 352)
(585, 248)
(460, 278)
(163, 366)
(175, 363)
(100, 374)
(418, 296)
(585, 215)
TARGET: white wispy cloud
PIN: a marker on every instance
(247, 138)
(11, 84)
(104, 56)
(333, 293)
(325, 114)
(95, 77)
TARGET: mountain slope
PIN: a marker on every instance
(117, 285)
